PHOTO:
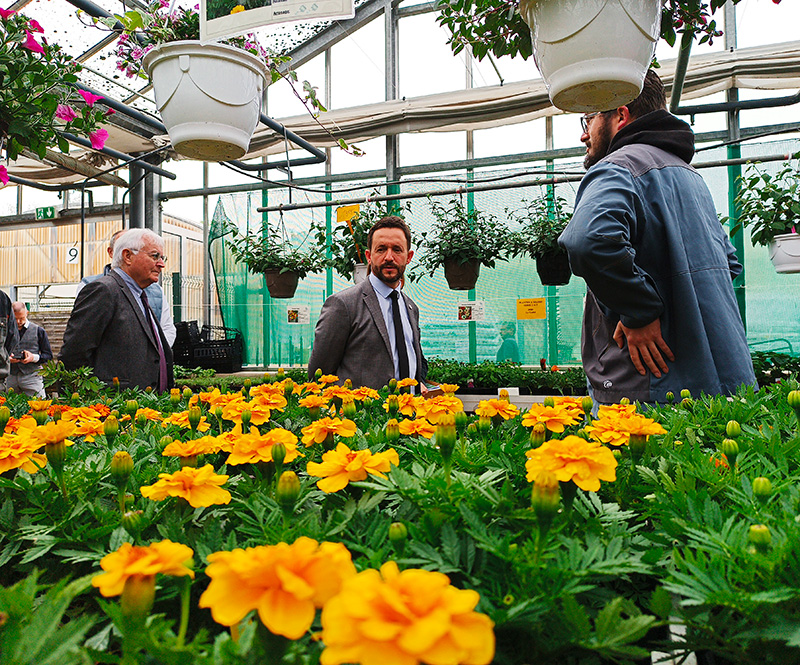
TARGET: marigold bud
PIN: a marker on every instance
(247, 384)
(247, 416)
(398, 535)
(288, 490)
(165, 440)
(148, 390)
(730, 449)
(504, 396)
(348, 383)
(472, 429)
(545, 497)
(624, 401)
(187, 393)
(733, 429)
(793, 398)
(686, 393)
(278, 453)
(549, 401)
(218, 412)
(75, 398)
(392, 385)
(392, 430)
(40, 417)
(762, 489)
(318, 374)
(461, 420)
(349, 408)
(131, 407)
(115, 383)
(687, 403)
(670, 396)
(5, 416)
(56, 414)
(587, 404)
(121, 468)
(538, 435)
(637, 444)
(446, 436)
(133, 522)
(174, 396)
(56, 454)
(280, 375)
(138, 596)
(484, 424)
(393, 405)
(194, 416)
(288, 388)
(760, 536)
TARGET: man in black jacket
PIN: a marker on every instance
(32, 350)
(8, 332)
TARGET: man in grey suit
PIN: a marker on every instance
(112, 328)
(356, 333)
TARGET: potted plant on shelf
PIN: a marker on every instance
(541, 222)
(461, 240)
(272, 254)
(38, 100)
(769, 206)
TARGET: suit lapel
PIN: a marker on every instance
(148, 329)
(374, 308)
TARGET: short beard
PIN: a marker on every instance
(400, 272)
(600, 145)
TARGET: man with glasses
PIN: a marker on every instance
(660, 313)
(112, 328)
(155, 294)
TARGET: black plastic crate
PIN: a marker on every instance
(187, 333)
(220, 349)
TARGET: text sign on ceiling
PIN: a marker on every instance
(223, 18)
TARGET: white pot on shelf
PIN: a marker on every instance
(784, 252)
(593, 54)
(209, 97)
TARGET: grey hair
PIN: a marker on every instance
(134, 240)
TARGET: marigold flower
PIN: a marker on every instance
(181, 419)
(585, 463)
(496, 407)
(616, 428)
(313, 402)
(403, 383)
(604, 410)
(337, 393)
(418, 427)
(436, 407)
(128, 561)
(407, 403)
(149, 414)
(327, 379)
(233, 410)
(285, 583)
(574, 404)
(405, 618)
(237, 9)
(365, 392)
(270, 400)
(310, 387)
(89, 428)
(200, 487)
(39, 404)
(19, 452)
(448, 388)
(53, 432)
(202, 446)
(554, 418)
(318, 431)
(341, 466)
(227, 440)
(250, 449)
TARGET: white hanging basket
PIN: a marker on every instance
(784, 252)
(593, 54)
(209, 97)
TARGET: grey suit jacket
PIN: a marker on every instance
(108, 332)
(351, 340)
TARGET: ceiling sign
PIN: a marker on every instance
(223, 18)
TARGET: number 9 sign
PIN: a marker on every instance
(72, 255)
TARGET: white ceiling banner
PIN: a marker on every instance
(224, 18)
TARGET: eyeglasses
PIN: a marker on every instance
(587, 118)
(155, 256)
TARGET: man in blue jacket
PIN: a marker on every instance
(660, 312)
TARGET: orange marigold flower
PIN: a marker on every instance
(311, 387)
(408, 404)
(721, 461)
(53, 432)
(419, 427)
(210, 396)
(84, 413)
(89, 428)
(554, 418)
(128, 561)
(340, 392)
(258, 448)
(612, 409)
(227, 440)
(403, 383)
(448, 388)
(270, 400)
(616, 428)
(436, 407)
(327, 379)
(405, 618)
(19, 452)
(150, 414)
(318, 431)
(573, 404)
(313, 401)
(200, 487)
(285, 583)
(202, 446)
(496, 407)
(259, 413)
(584, 462)
(342, 465)
(39, 404)
(365, 392)
(181, 419)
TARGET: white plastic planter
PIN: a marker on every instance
(593, 54)
(785, 253)
(209, 97)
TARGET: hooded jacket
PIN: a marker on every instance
(646, 238)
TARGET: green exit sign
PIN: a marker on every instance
(48, 212)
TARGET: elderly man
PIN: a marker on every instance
(8, 334)
(112, 328)
(33, 350)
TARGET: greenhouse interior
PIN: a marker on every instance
(143, 524)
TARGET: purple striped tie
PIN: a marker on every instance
(162, 359)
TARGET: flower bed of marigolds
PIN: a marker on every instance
(305, 523)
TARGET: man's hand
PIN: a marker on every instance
(27, 357)
(645, 346)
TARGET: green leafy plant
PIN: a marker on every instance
(271, 250)
(37, 93)
(541, 221)
(80, 380)
(769, 205)
(463, 235)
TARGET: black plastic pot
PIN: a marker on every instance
(553, 268)
(461, 276)
(281, 284)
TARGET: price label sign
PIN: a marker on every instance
(73, 255)
(48, 212)
(531, 308)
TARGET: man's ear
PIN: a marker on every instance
(622, 116)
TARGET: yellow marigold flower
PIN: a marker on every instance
(313, 401)
(554, 418)
(496, 407)
(612, 409)
(251, 448)
(88, 428)
(53, 432)
(419, 427)
(572, 404)
(128, 561)
(342, 465)
(19, 452)
(327, 379)
(285, 583)
(318, 431)
(436, 407)
(365, 392)
(259, 414)
(210, 396)
(271, 400)
(405, 618)
(584, 462)
(150, 414)
(39, 404)
(200, 487)
(448, 388)
(617, 428)
(311, 387)
(74, 413)
(227, 440)
(237, 9)
(408, 404)
(403, 383)
(181, 419)
(201, 446)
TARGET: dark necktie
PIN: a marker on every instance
(399, 337)
(162, 359)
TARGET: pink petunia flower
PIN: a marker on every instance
(65, 113)
(3, 172)
(89, 98)
(31, 44)
(98, 138)
(33, 26)
(110, 111)
(6, 13)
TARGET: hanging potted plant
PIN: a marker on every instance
(769, 205)
(37, 100)
(462, 240)
(272, 254)
(541, 222)
(349, 239)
